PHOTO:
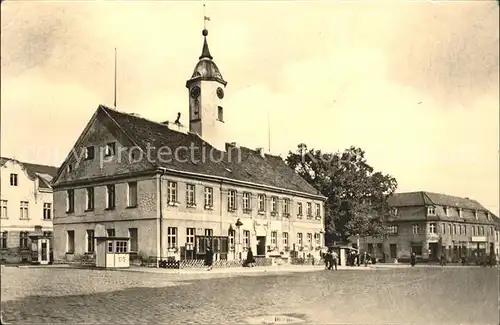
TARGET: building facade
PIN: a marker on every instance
(25, 206)
(431, 225)
(174, 191)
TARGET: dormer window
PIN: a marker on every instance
(110, 149)
(394, 211)
(431, 211)
(475, 214)
(445, 211)
(220, 113)
(459, 210)
(89, 153)
(488, 215)
(70, 168)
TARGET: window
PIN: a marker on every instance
(274, 204)
(445, 211)
(474, 233)
(274, 238)
(459, 229)
(110, 197)
(286, 207)
(172, 192)
(309, 209)
(110, 149)
(246, 201)
(299, 239)
(317, 239)
(3, 209)
(47, 211)
(47, 234)
(450, 231)
(370, 248)
(70, 244)
(492, 231)
(482, 231)
(172, 237)
(231, 200)
(121, 246)
(70, 168)
(90, 241)
(231, 234)
(443, 228)
(415, 229)
(459, 210)
(394, 211)
(465, 229)
(190, 195)
(134, 239)
(262, 202)
(309, 239)
(318, 210)
(417, 250)
(246, 238)
(190, 236)
(70, 201)
(209, 197)
(24, 210)
(431, 211)
(111, 232)
(220, 113)
(23, 240)
(285, 239)
(89, 153)
(497, 235)
(432, 228)
(299, 208)
(3, 239)
(13, 179)
(393, 229)
(89, 198)
(454, 229)
(132, 194)
(209, 233)
(488, 215)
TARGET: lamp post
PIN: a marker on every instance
(238, 224)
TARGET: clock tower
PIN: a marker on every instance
(206, 93)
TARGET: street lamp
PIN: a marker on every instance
(238, 224)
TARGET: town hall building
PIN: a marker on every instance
(172, 192)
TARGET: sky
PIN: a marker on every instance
(414, 84)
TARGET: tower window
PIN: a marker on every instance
(220, 113)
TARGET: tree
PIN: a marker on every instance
(356, 194)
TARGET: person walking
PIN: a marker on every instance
(250, 261)
(365, 259)
(334, 260)
(413, 259)
(209, 258)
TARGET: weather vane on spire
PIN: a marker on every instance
(205, 17)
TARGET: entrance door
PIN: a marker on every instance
(393, 248)
(44, 251)
(261, 245)
(433, 251)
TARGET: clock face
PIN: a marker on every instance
(220, 93)
(195, 92)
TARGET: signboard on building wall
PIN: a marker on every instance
(478, 239)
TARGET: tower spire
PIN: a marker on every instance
(205, 52)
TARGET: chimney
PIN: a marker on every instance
(261, 152)
(234, 144)
(165, 123)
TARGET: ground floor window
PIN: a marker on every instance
(393, 248)
(3, 240)
(370, 248)
(23, 240)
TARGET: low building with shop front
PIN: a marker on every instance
(431, 225)
(25, 208)
(174, 191)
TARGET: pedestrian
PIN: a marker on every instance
(327, 257)
(413, 259)
(365, 259)
(209, 258)
(334, 260)
(443, 260)
(250, 261)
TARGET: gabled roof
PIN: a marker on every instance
(44, 173)
(252, 167)
(424, 198)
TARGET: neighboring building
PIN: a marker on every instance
(25, 206)
(432, 224)
(173, 208)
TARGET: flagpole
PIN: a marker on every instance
(115, 79)
(204, 17)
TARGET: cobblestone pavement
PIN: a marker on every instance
(389, 296)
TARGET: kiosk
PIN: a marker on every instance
(40, 248)
(111, 252)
